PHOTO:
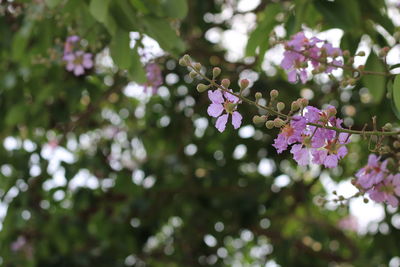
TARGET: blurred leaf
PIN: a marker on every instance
(99, 9)
(175, 8)
(259, 37)
(136, 71)
(52, 3)
(120, 49)
(396, 93)
(375, 83)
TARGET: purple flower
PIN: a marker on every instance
(78, 61)
(300, 50)
(69, 43)
(154, 77)
(329, 155)
(387, 191)
(224, 102)
(290, 133)
(373, 173)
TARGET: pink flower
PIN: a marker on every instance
(224, 102)
(154, 77)
(301, 50)
(373, 173)
(387, 191)
(78, 61)
(290, 133)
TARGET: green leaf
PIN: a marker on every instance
(175, 8)
(99, 9)
(376, 84)
(140, 6)
(161, 31)
(136, 71)
(120, 49)
(396, 93)
(259, 37)
(52, 3)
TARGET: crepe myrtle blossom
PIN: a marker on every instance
(300, 51)
(387, 191)
(154, 77)
(226, 104)
(313, 144)
(373, 173)
(78, 61)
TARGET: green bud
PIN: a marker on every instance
(346, 53)
(258, 96)
(258, 119)
(294, 106)
(244, 83)
(269, 124)
(384, 51)
(182, 62)
(225, 83)
(187, 59)
(303, 102)
(201, 87)
(388, 126)
(197, 66)
(274, 93)
(396, 144)
(280, 106)
(278, 122)
(193, 74)
(365, 200)
(361, 54)
(216, 72)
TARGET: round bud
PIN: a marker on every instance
(225, 83)
(187, 59)
(294, 106)
(201, 87)
(216, 72)
(396, 144)
(303, 102)
(346, 53)
(280, 106)
(365, 200)
(274, 93)
(244, 83)
(278, 122)
(258, 95)
(388, 126)
(331, 111)
(197, 66)
(193, 74)
(361, 54)
(182, 62)
(384, 51)
(269, 124)
(258, 119)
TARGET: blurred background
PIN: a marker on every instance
(113, 167)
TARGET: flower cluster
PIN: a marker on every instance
(376, 180)
(154, 78)
(223, 101)
(311, 143)
(300, 50)
(77, 60)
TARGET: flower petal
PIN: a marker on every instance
(236, 119)
(220, 124)
(216, 96)
(214, 110)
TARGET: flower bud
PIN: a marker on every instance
(269, 124)
(258, 96)
(187, 59)
(294, 106)
(225, 83)
(331, 112)
(258, 119)
(280, 106)
(396, 144)
(182, 62)
(346, 53)
(303, 102)
(197, 66)
(361, 54)
(201, 87)
(193, 74)
(278, 122)
(384, 51)
(216, 72)
(244, 83)
(365, 200)
(274, 93)
(388, 126)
